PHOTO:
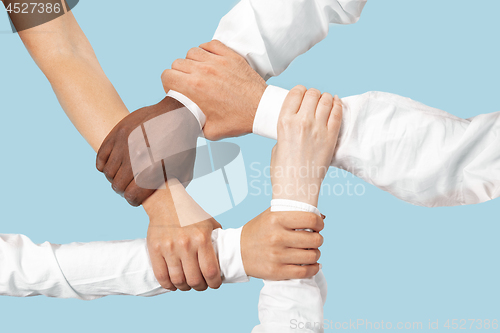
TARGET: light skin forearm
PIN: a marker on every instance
(67, 59)
(65, 56)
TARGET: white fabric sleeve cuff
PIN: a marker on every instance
(266, 118)
(193, 107)
(285, 205)
(227, 246)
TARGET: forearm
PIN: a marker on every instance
(269, 45)
(92, 270)
(63, 53)
(67, 59)
(419, 154)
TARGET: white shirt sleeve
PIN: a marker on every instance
(292, 305)
(271, 34)
(419, 154)
(92, 270)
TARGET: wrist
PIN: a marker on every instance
(257, 98)
(297, 189)
(161, 209)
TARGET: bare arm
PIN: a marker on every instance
(65, 56)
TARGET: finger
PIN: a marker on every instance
(310, 103)
(175, 80)
(122, 179)
(176, 273)
(300, 220)
(209, 266)
(192, 271)
(300, 257)
(184, 65)
(302, 239)
(161, 271)
(198, 54)
(112, 165)
(104, 152)
(335, 120)
(300, 272)
(136, 195)
(293, 100)
(217, 47)
(324, 109)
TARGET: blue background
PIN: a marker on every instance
(384, 259)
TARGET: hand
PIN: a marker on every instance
(308, 129)
(184, 257)
(271, 249)
(113, 158)
(223, 85)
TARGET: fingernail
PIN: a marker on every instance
(323, 216)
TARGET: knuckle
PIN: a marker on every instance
(192, 52)
(224, 61)
(299, 273)
(337, 116)
(131, 198)
(210, 133)
(122, 131)
(177, 63)
(286, 121)
(178, 281)
(196, 83)
(318, 240)
(311, 220)
(298, 90)
(212, 273)
(275, 240)
(326, 99)
(305, 123)
(313, 256)
(200, 238)
(318, 255)
(274, 220)
(184, 242)
(274, 255)
(166, 285)
(164, 75)
(156, 246)
(163, 280)
(317, 222)
(302, 272)
(197, 283)
(169, 245)
(118, 187)
(216, 285)
(210, 70)
(202, 287)
(107, 170)
(215, 42)
(313, 93)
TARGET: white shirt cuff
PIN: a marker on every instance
(266, 118)
(193, 107)
(227, 246)
(285, 205)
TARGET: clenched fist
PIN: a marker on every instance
(224, 86)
